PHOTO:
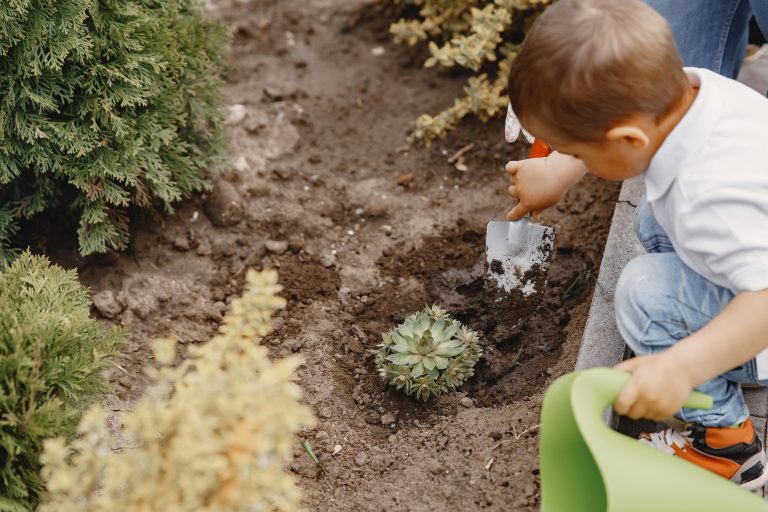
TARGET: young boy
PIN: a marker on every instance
(602, 83)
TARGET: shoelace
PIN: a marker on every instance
(664, 439)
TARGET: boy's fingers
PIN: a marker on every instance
(512, 191)
(517, 213)
(512, 167)
(626, 400)
(637, 412)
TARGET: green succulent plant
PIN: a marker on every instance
(428, 354)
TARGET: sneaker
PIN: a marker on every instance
(735, 453)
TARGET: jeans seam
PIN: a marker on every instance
(724, 35)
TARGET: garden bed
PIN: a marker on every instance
(364, 230)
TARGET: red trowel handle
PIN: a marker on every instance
(539, 149)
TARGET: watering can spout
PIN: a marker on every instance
(587, 467)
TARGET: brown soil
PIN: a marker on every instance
(364, 230)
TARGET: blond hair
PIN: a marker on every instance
(588, 64)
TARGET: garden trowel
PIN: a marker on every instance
(518, 253)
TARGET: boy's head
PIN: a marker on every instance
(589, 67)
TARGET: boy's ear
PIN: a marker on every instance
(633, 135)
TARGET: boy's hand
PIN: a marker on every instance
(657, 389)
(538, 183)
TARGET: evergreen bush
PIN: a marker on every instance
(51, 356)
(104, 104)
(480, 35)
(213, 434)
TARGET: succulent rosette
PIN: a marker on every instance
(428, 354)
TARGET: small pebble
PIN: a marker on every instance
(106, 304)
(387, 419)
(467, 402)
(378, 51)
(181, 243)
(336, 449)
(361, 459)
(328, 260)
(276, 246)
(236, 115)
(240, 164)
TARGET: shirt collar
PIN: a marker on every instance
(687, 137)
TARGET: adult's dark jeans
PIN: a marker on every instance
(713, 34)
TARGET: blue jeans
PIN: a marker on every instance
(660, 300)
(712, 34)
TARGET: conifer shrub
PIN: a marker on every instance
(51, 356)
(104, 105)
(479, 35)
(212, 434)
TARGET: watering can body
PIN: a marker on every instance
(587, 467)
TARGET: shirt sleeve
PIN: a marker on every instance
(726, 230)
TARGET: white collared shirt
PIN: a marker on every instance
(708, 186)
(708, 183)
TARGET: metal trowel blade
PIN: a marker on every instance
(514, 249)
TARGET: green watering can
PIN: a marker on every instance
(586, 466)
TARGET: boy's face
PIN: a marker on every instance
(617, 159)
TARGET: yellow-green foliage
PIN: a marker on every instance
(213, 434)
(470, 33)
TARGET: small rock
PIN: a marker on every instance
(281, 91)
(376, 207)
(467, 402)
(336, 449)
(405, 180)
(378, 51)
(295, 244)
(181, 243)
(387, 419)
(236, 115)
(240, 164)
(433, 466)
(386, 229)
(361, 459)
(142, 305)
(276, 246)
(106, 304)
(223, 206)
(328, 260)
